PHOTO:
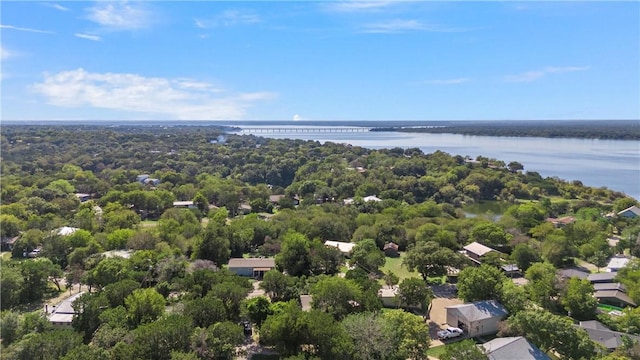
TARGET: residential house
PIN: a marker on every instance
(478, 318)
(391, 250)
(616, 263)
(344, 247)
(184, 204)
(389, 296)
(510, 348)
(61, 316)
(561, 222)
(569, 273)
(613, 297)
(251, 267)
(475, 251)
(511, 270)
(7, 243)
(604, 336)
(371, 198)
(630, 212)
(598, 278)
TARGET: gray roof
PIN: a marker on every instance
(609, 286)
(252, 263)
(601, 334)
(510, 348)
(569, 273)
(614, 294)
(601, 277)
(480, 310)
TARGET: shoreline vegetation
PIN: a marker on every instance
(577, 129)
(602, 130)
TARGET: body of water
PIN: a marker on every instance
(614, 164)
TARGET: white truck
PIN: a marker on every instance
(450, 332)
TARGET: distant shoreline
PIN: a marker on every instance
(577, 129)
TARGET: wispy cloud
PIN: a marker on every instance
(119, 15)
(5, 54)
(357, 5)
(56, 6)
(229, 18)
(184, 99)
(11, 27)
(89, 37)
(448, 81)
(404, 25)
(534, 75)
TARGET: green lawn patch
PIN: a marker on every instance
(395, 265)
(436, 351)
(148, 224)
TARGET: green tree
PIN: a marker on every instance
(156, 340)
(409, 332)
(524, 256)
(328, 338)
(205, 311)
(463, 350)
(542, 286)
(430, 259)
(371, 336)
(578, 299)
(218, 341)
(10, 324)
(368, 256)
(46, 345)
(415, 293)
(279, 286)
(284, 329)
(143, 306)
(11, 284)
(213, 244)
(552, 333)
(480, 283)
(258, 309)
(294, 255)
(337, 296)
(489, 234)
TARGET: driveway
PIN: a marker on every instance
(257, 291)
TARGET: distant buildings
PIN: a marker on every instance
(630, 212)
(604, 336)
(344, 247)
(475, 251)
(61, 316)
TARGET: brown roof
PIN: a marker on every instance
(391, 246)
(252, 263)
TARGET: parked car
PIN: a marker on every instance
(450, 332)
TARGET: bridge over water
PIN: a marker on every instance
(289, 130)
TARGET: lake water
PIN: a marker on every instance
(614, 164)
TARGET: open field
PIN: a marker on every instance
(395, 265)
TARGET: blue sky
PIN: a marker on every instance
(330, 60)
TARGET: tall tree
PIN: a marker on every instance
(430, 259)
(414, 292)
(143, 306)
(480, 283)
(578, 299)
(367, 255)
(337, 296)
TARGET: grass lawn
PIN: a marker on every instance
(436, 351)
(6, 255)
(148, 223)
(395, 265)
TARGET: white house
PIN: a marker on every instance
(478, 318)
(617, 263)
(61, 316)
(344, 247)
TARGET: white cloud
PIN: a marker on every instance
(25, 29)
(5, 54)
(182, 99)
(228, 18)
(448, 81)
(534, 75)
(358, 5)
(297, 117)
(404, 25)
(56, 6)
(89, 37)
(119, 15)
